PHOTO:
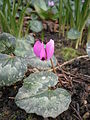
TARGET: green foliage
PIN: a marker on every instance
(35, 96)
(78, 14)
(8, 20)
(1, 3)
(36, 26)
(23, 48)
(44, 11)
(69, 53)
(7, 43)
(37, 63)
(73, 34)
(12, 69)
(13, 66)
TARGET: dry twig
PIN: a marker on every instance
(68, 62)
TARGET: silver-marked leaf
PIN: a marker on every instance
(34, 17)
(30, 39)
(73, 34)
(36, 26)
(88, 49)
(37, 63)
(23, 48)
(7, 43)
(36, 97)
(12, 69)
(41, 4)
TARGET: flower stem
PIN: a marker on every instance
(53, 66)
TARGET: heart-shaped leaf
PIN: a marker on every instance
(34, 17)
(30, 39)
(36, 97)
(36, 26)
(88, 48)
(12, 69)
(23, 48)
(73, 34)
(7, 43)
(42, 65)
(41, 4)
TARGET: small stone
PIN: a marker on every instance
(85, 102)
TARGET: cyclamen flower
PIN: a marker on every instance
(51, 3)
(83, 1)
(44, 53)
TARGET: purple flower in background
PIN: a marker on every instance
(44, 53)
(51, 3)
(83, 1)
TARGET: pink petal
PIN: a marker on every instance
(43, 53)
(37, 48)
(50, 49)
(51, 3)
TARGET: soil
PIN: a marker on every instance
(75, 77)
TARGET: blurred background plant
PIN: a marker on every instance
(78, 14)
(45, 10)
(11, 19)
(72, 16)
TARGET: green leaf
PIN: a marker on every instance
(36, 97)
(34, 16)
(21, 18)
(28, 11)
(42, 65)
(41, 4)
(42, 13)
(3, 22)
(23, 47)
(30, 39)
(36, 26)
(7, 43)
(88, 49)
(73, 34)
(12, 69)
(1, 3)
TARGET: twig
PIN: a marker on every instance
(76, 112)
(53, 66)
(68, 62)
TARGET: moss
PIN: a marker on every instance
(69, 53)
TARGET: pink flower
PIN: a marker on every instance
(44, 53)
(83, 1)
(51, 3)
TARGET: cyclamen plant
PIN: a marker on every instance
(35, 95)
(36, 91)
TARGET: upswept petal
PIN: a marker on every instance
(43, 53)
(37, 48)
(50, 49)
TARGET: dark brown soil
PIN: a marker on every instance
(75, 78)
